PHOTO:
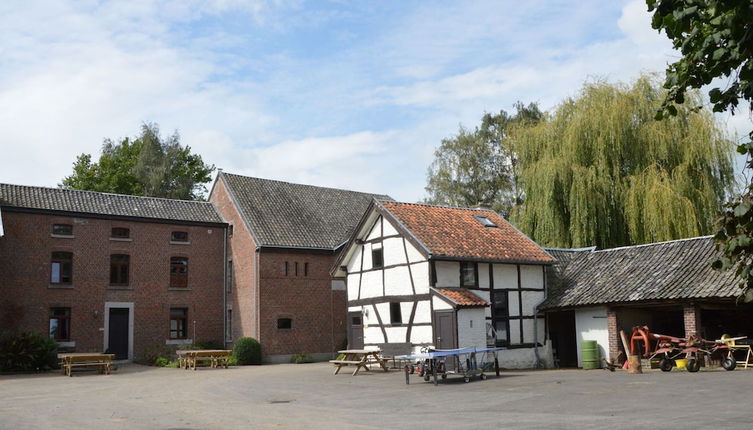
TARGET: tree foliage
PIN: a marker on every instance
(147, 165)
(716, 41)
(479, 167)
(601, 171)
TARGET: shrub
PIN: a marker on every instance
(247, 350)
(27, 351)
(153, 354)
(300, 358)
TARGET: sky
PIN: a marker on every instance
(353, 95)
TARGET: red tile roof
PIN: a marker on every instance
(457, 232)
(462, 298)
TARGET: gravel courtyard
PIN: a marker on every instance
(310, 396)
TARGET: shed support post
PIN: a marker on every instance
(692, 319)
(613, 332)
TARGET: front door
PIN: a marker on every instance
(355, 330)
(117, 342)
(444, 333)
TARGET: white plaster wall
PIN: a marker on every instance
(367, 264)
(396, 334)
(373, 334)
(505, 276)
(531, 276)
(355, 308)
(394, 253)
(354, 264)
(525, 358)
(528, 336)
(353, 286)
(413, 254)
(423, 312)
(448, 273)
(371, 284)
(397, 281)
(483, 275)
(591, 324)
(384, 312)
(486, 296)
(512, 303)
(420, 272)
(471, 328)
(514, 332)
(439, 304)
(530, 300)
(376, 231)
(389, 229)
(421, 335)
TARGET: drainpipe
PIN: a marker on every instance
(537, 360)
(224, 289)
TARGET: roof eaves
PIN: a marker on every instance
(402, 227)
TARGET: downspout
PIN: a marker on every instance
(257, 293)
(224, 290)
(537, 360)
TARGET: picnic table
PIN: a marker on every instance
(85, 359)
(187, 359)
(361, 358)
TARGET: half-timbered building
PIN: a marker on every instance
(420, 275)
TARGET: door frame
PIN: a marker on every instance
(435, 327)
(351, 314)
(129, 306)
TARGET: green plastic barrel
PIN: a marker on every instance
(590, 354)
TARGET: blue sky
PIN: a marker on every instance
(352, 95)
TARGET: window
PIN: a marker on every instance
(62, 229)
(377, 258)
(500, 314)
(178, 272)
(230, 230)
(119, 269)
(120, 233)
(468, 274)
(284, 323)
(62, 268)
(178, 323)
(60, 324)
(296, 268)
(230, 276)
(305, 269)
(485, 221)
(285, 268)
(179, 236)
(229, 325)
(396, 316)
(356, 321)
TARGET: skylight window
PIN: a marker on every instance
(485, 221)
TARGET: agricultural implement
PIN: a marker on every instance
(692, 348)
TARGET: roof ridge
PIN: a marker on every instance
(68, 190)
(643, 245)
(302, 185)
(447, 207)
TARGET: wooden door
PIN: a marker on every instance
(355, 330)
(117, 340)
(445, 330)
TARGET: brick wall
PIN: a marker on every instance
(26, 294)
(692, 319)
(615, 343)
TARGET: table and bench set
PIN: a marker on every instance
(361, 358)
(187, 359)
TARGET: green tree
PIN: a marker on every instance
(715, 39)
(479, 167)
(147, 165)
(601, 171)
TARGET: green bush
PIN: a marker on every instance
(300, 358)
(152, 355)
(247, 350)
(27, 351)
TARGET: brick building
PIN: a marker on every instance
(283, 241)
(107, 272)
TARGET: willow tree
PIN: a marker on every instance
(601, 171)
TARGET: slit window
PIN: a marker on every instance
(60, 324)
(178, 323)
(285, 268)
(305, 269)
(178, 272)
(284, 323)
(61, 270)
(377, 258)
(119, 269)
(396, 316)
(120, 233)
(179, 236)
(62, 229)
(296, 268)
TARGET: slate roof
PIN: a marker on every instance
(674, 270)
(449, 232)
(282, 214)
(462, 298)
(104, 204)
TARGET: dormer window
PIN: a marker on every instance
(485, 221)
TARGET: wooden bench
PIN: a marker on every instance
(71, 360)
(360, 358)
(188, 359)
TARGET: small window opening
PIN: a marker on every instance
(284, 323)
(120, 233)
(485, 221)
(62, 229)
(179, 236)
(377, 258)
(396, 316)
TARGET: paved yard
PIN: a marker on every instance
(309, 396)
